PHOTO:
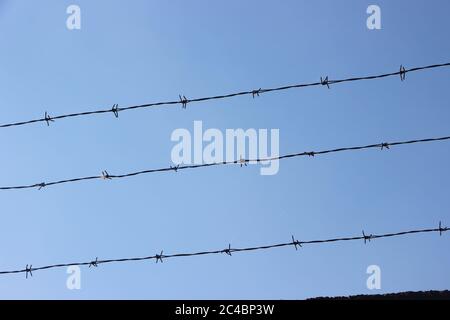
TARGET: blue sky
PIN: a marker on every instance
(145, 51)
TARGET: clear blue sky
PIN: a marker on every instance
(145, 51)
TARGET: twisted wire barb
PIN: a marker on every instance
(229, 250)
(184, 101)
(106, 176)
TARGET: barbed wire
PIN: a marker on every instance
(242, 162)
(228, 250)
(183, 101)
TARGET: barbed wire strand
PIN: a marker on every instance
(229, 250)
(106, 176)
(184, 101)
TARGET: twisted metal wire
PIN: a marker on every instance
(106, 176)
(29, 269)
(183, 101)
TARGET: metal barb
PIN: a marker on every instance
(242, 161)
(41, 185)
(384, 145)
(105, 175)
(228, 250)
(28, 270)
(184, 101)
(94, 263)
(256, 93)
(159, 257)
(325, 82)
(402, 73)
(48, 119)
(366, 237)
(296, 243)
(175, 168)
(310, 154)
(115, 109)
(442, 229)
